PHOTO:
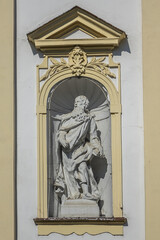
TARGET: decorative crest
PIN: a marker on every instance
(78, 63)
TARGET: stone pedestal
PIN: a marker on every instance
(79, 208)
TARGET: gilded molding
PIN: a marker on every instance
(44, 230)
(78, 63)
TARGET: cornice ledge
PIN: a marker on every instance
(48, 38)
(82, 221)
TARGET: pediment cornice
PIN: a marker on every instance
(50, 38)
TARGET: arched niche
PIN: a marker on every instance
(61, 101)
(115, 110)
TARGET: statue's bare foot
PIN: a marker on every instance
(87, 196)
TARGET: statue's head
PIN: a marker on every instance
(81, 102)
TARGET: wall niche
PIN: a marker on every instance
(79, 126)
(60, 105)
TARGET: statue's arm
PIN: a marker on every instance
(62, 138)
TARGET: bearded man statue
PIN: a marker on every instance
(78, 144)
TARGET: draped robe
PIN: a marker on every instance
(80, 132)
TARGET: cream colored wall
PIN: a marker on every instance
(151, 89)
(7, 230)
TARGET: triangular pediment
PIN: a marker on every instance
(68, 26)
(77, 34)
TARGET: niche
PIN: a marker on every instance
(60, 105)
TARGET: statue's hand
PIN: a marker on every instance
(64, 143)
(95, 152)
(98, 152)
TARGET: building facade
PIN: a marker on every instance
(138, 56)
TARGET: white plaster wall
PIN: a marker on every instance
(126, 15)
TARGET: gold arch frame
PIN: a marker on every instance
(115, 108)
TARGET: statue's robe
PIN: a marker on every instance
(80, 131)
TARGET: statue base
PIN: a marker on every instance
(79, 208)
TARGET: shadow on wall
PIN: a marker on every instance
(99, 167)
(35, 51)
(124, 47)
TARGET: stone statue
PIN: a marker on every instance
(78, 144)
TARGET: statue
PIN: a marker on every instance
(78, 144)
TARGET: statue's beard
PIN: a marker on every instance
(81, 109)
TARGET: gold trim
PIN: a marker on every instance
(78, 63)
(80, 42)
(101, 76)
(76, 17)
(44, 230)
